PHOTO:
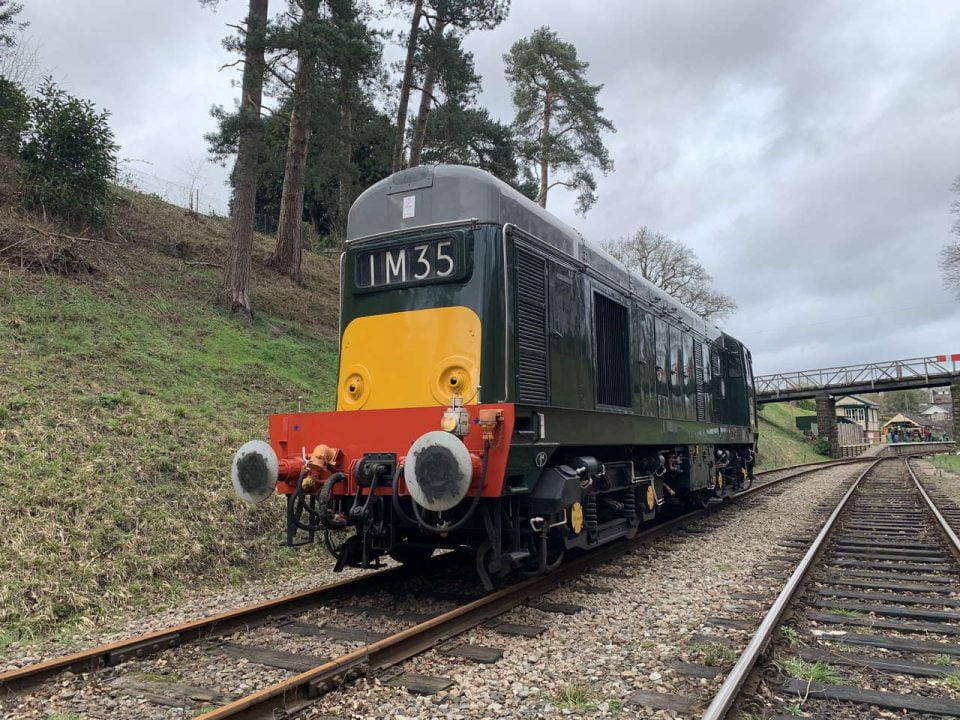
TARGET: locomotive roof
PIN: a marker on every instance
(454, 193)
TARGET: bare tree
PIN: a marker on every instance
(20, 64)
(236, 269)
(950, 254)
(287, 254)
(674, 268)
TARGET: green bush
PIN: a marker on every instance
(69, 157)
(14, 113)
(822, 446)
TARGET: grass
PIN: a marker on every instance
(725, 567)
(947, 462)
(575, 696)
(952, 681)
(846, 613)
(819, 671)
(714, 653)
(845, 648)
(153, 677)
(791, 635)
(123, 395)
(781, 443)
(944, 660)
(793, 710)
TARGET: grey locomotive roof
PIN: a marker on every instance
(455, 193)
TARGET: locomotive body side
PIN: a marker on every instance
(503, 387)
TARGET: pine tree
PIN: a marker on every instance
(436, 61)
(469, 136)
(9, 25)
(558, 119)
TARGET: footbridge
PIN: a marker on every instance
(927, 372)
(825, 384)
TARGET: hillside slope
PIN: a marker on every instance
(124, 391)
(781, 443)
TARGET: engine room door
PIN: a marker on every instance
(569, 339)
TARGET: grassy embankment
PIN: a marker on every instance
(950, 463)
(123, 394)
(781, 443)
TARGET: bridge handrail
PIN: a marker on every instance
(893, 370)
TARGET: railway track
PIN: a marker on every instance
(305, 676)
(869, 621)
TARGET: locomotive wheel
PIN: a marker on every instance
(412, 555)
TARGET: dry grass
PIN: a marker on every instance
(123, 393)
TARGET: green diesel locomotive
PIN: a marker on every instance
(505, 387)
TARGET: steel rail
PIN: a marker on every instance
(212, 626)
(141, 646)
(718, 708)
(935, 511)
(294, 694)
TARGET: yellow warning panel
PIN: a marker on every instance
(407, 359)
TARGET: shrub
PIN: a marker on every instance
(69, 157)
(14, 113)
(822, 446)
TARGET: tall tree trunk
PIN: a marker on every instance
(545, 150)
(401, 130)
(426, 103)
(344, 198)
(289, 250)
(236, 269)
(420, 128)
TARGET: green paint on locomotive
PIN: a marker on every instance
(688, 383)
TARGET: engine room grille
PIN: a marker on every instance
(531, 283)
(610, 321)
(701, 400)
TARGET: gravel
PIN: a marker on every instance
(588, 664)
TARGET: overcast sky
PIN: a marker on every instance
(805, 150)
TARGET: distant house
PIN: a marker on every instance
(864, 413)
(936, 414)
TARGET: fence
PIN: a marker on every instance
(192, 196)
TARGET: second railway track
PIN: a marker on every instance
(868, 624)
